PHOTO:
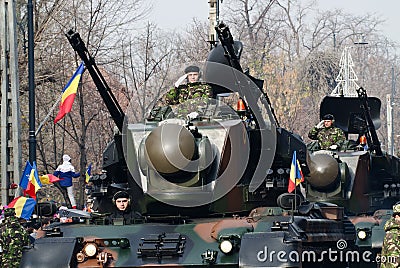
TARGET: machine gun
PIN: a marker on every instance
(117, 175)
(108, 97)
(231, 53)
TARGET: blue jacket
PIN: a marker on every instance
(66, 172)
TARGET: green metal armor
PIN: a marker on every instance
(12, 240)
(327, 136)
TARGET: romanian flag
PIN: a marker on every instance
(23, 206)
(88, 173)
(30, 181)
(296, 176)
(49, 179)
(69, 93)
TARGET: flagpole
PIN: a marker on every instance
(31, 82)
(48, 115)
(295, 192)
(292, 218)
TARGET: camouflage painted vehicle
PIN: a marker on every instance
(369, 184)
(211, 186)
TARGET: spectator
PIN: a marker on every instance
(66, 172)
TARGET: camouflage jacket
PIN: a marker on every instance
(390, 256)
(192, 97)
(327, 136)
(12, 240)
(179, 95)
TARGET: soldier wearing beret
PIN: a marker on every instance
(12, 239)
(390, 256)
(328, 136)
(189, 95)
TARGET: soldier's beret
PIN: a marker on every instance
(192, 69)
(328, 117)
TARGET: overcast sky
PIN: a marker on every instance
(176, 14)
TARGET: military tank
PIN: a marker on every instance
(211, 185)
(368, 185)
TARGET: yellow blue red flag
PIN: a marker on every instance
(23, 206)
(88, 173)
(48, 179)
(30, 181)
(296, 175)
(69, 93)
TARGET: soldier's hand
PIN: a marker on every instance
(320, 124)
(193, 115)
(333, 147)
(180, 80)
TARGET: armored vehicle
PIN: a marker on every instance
(210, 180)
(368, 185)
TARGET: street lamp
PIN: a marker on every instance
(31, 85)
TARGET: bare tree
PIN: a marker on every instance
(101, 24)
(296, 48)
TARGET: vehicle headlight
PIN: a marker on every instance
(280, 171)
(362, 235)
(226, 246)
(90, 249)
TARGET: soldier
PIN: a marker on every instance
(124, 213)
(12, 240)
(186, 97)
(328, 136)
(390, 256)
(193, 89)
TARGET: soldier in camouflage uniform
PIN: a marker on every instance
(191, 95)
(12, 239)
(328, 136)
(390, 256)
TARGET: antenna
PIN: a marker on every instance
(347, 78)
